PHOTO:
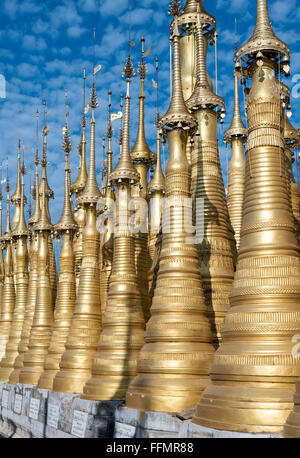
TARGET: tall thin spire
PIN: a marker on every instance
(91, 192)
(44, 223)
(109, 133)
(177, 114)
(36, 195)
(7, 232)
(80, 182)
(158, 181)
(264, 40)
(125, 168)
(66, 221)
(17, 195)
(21, 228)
(141, 150)
(48, 191)
(237, 128)
(203, 96)
(1, 199)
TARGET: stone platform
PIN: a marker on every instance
(29, 412)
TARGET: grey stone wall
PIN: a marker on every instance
(61, 415)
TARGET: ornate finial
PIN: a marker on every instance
(94, 99)
(177, 114)
(67, 143)
(175, 8)
(109, 131)
(66, 222)
(189, 16)
(237, 128)
(81, 180)
(203, 96)
(265, 41)
(141, 150)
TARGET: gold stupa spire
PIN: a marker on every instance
(81, 344)
(121, 338)
(125, 168)
(203, 95)
(16, 197)
(37, 209)
(41, 330)
(66, 221)
(173, 364)
(7, 232)
(158, 181)
(33, 278)
(177, 114)
(20, 235)
(106, 243)
(156, 189)
(81, 180)
(8, 292)
(109, 192)
(141, 150)
(236, 135)
(49, 194)
(91, 192)
(254, 371)
(142, 157)
(265, 41)
(187, 19)
(237, 128)
(78, 187)
(65, 299)
(216, 244)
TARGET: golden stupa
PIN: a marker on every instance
(66, 291)
(77, 188)
(106, 242)
(122, 335)
(173, 365)
(236, 135)
(142, 158)
(33, 276)
(8, 290)
(41, 330)
(81, 345)
(20, 234)
(156, 189)
(253, 373)
(215, 243)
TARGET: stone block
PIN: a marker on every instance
(128, 416)
(122, 430)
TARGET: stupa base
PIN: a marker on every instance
(245, 409)
(165, 394)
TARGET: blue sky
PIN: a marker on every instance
(45, 44)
